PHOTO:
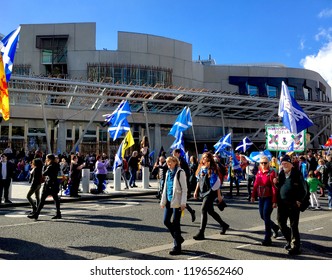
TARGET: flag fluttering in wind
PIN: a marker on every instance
(244, 145)
(118, 158)
(4, 97)
(328, 142)
(178, 144)
(223, 143)
(120, 113)
(118, 129)
(256, 156)
(182, 122)
(8, 49)
(128, 141)
(117, 121)
(293, 116)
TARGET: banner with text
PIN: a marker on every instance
(279, 138)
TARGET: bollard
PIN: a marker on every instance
(145, 177)
(10, 191)
(117, 179)
(86, 180)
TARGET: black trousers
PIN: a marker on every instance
(4, 188)
(208, 208)
(292, 212)
(46, 192)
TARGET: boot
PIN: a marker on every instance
(57, 216)
(199, 235)
(33, 216)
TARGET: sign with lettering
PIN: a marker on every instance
(279, 138)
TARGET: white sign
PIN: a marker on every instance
(279, 138)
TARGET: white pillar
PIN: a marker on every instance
(10, 191)
(86, 180)
(117, 179)
(145, 177)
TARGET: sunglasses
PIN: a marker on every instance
(264, 162)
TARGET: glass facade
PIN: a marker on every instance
(130, 74)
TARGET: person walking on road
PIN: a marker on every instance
(173, 201)
(290, 196)
(35, 179)
(184, 165)
(51, 187)
(208, 187)
(266, 192)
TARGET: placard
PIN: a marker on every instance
(279, 138)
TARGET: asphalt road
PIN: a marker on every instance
(132, 228)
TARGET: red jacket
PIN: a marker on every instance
(263, 185)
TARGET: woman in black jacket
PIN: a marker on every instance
(51, 187)
(35, 180)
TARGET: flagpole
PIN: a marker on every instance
(192, 127)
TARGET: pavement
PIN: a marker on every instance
(19, 190)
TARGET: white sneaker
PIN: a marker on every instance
(318, 208)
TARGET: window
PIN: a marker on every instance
(292, 91)
(18, 131)
(130, 74)
(271, 91)
(307, 94)
(252, 90)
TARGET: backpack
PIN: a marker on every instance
(306, 199)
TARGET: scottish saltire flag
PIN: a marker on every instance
(120, 113)
(256, 156)
(291, 147)
(223, 143)
(118, 129)
(8, 49)
(118, 158)
(293, 116)
(236, 164)
(128, 141)
(244, 145)
(4, 97)
(182, 122)
(178, 144)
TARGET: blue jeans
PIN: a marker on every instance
(265, 211)
(132, 179)
(174, 226)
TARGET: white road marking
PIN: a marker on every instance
(315, 229)
(164, 247)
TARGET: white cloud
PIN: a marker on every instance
(320, 62)
(324, 34)
(325, 13)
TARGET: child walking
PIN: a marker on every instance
(313, 183)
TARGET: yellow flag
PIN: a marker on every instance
(128, 141)
(4, 98)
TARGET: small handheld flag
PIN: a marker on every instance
(244, 145)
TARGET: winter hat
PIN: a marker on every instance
(286, 158)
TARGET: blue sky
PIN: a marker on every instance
(296, 33)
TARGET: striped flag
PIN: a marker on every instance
(4, 98)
